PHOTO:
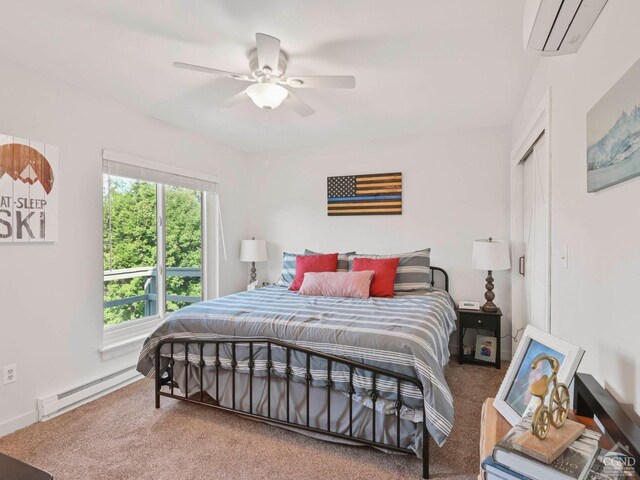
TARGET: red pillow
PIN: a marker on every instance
(385, 276)
(313, 263)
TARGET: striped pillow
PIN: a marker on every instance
(343, 259)
(288, 269)
(289, 266)
(414, 270)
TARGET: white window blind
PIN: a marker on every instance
(121, 165)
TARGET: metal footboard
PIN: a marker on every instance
(194, 356)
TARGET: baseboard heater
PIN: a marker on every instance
(54, 405)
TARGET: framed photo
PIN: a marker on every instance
(514, 399)
(486, 348)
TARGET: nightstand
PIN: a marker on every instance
(479, 320)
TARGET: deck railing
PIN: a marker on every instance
(150, 294)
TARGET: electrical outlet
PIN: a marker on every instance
(10, 373)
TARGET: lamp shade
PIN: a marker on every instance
(253, 251)
(489, 254)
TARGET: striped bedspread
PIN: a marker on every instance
(407, 334)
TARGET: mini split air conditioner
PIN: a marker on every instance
(558, 27)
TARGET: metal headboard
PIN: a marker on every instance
(443, 278)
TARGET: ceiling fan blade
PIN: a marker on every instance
(213, 71)
(337, 81)
(234, 100)
(268, 52)
(298, 106)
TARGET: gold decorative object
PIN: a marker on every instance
(556, 413)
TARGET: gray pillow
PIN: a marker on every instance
(414, 270)
(343, 260)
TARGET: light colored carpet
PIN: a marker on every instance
(122, 436)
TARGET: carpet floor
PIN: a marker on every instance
(122, 436)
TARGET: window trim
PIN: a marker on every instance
(132, 328)
(123, 338)
(161, 248)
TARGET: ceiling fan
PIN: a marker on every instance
(269, 87)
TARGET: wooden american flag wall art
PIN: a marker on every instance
(373, 194)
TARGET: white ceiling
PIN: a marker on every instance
(420, 65)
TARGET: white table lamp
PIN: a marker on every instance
(253, 251)
(490, 255)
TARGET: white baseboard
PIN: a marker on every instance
(505, 356)
(17, 423)
(57, 404)
(54, 405)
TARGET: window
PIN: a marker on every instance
(183, 247)
(130, 240)
(154, 238)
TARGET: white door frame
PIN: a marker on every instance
(539, 124)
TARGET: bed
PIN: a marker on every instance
(357, 371)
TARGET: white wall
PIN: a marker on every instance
(594, 301)
(455, 189)
(51, 294)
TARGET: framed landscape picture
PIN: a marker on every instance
(613, 134)
(514, 399)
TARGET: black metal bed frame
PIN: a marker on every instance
(164, 378)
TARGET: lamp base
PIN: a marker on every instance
(252, 278)
(489, 306)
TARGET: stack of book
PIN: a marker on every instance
(569, 453)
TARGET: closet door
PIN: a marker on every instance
(536, 237)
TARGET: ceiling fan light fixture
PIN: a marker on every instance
(267, 95)
(270, 85)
